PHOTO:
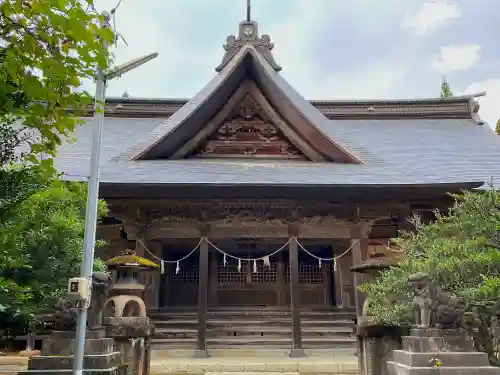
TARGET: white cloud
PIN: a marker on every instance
(184, 66)
(432, 15)
(456, 58)
(490, 104)
(375, 80)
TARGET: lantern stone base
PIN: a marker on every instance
(58, 350)
(132, 338)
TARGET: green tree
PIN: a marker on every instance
(47, 48)
(125, 94)
(497, 127)
(41, 241)
(460, 250)
(445, 89)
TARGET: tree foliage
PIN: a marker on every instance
(497, 127)
(47, 48)
(445, 89)
(41, 241)
(460, 250)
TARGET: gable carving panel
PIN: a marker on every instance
(248, 132)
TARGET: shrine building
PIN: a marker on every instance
(257, 202)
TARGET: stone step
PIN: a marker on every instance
(254, 340)
(278, 330)
(256, 351)
(253, 322)
(399, 369)
(253, 311)
(256, 365)
(242, 313)
(112, 371)
(254, 308)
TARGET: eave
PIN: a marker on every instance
(277, 191)
(456, 107)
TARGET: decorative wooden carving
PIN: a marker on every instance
(262, 44)
(248, 132)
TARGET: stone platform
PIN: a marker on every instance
(315, 364)
(432, 351)
(230, 362)
(57, 355)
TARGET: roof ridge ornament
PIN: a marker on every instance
(248, 35)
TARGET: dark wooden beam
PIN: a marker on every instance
(201, 345)
(359, 244)
(297, 350)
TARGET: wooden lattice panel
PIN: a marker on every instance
(264, 273)
(187, 275)
(308, 274)
(229, 274)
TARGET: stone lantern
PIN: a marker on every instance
(125, 315)
(125, 296)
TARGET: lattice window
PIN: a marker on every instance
(264, 274)
(308, 274)
(229, 274)
(187, 275)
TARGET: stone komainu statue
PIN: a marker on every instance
(101, 282)
(65, 316)
(431, 307)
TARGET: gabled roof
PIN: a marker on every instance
(248, 64)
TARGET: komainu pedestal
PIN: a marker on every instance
(433, 351)
(57, 355)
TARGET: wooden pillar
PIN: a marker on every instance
(339, 282)
(201, 345)
(214, 279)
(356, 259)
(168, 271)
(154, 278)
(327, 274)
(297, 350)
(359, 235)
(143, 277)
(280, 279)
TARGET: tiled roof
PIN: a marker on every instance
(392, 151)
(406, 151)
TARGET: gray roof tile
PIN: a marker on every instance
(407, 151)
(396, 151)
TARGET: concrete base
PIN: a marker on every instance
(118, 370)
(400, 369)
(58, 352)
(200, 354)
(273, 365)
(297, 353)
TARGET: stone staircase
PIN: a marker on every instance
(235, 327)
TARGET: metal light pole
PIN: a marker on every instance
(93, 188)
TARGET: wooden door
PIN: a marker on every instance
(246, 287)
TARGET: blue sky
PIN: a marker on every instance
(329, 49)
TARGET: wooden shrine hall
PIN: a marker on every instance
(257, 203)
